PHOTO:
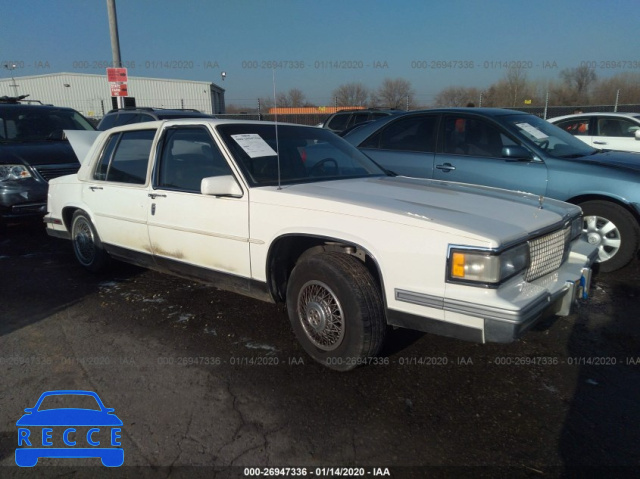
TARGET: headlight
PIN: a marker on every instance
(487, 268)
(13, 172)
(576, 227)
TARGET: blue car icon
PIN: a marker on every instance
(91, 430)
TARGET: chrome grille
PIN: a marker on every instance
(48, 172)
(547, 253)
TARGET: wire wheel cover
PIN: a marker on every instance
(321, 315)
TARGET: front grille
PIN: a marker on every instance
(547, 253)
(49, 172)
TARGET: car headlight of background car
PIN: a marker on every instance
(485, 268)
(13, 172)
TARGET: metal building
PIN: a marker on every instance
(91, 96)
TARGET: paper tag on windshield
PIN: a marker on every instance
(532, 130)
(254, 145)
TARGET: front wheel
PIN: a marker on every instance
(613, 230)
(336, 310)
(86, 243)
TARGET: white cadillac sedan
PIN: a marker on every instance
(294, 214)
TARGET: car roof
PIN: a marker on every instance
(31, 106)
(592, 113)
(149, 125)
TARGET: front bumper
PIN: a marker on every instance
(24, 198)
(499, 315)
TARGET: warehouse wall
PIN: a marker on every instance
(90, 94)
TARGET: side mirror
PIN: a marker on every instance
(220, 186)
(637, 135)
(516, 152)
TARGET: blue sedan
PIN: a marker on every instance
(518, 151)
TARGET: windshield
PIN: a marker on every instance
(554, 141)
(301, 154)
(38, 124)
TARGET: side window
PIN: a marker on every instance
(616, 127)
(188, 155)
(415, 133)
(127, 119)
(142, 118)
(575, 126)
(109, 121)
(472, 137)
(359, 118)
(131, 157)
(339, 122)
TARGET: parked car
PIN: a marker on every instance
(128, 116)
(515, 150)
(345, 119)
(294, 214)
(610, 131)
(33, 150)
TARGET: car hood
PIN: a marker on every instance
(69, 417)
(37, 153)
(493, 214)
(619, 159)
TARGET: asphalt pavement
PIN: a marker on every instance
(212, 384)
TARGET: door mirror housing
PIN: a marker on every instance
(220, 186)
(516, 152)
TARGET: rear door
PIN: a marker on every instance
(117, 196)
(471, 152)
(405, 146)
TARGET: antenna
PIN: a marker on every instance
(275, 111)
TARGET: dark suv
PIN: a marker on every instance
(33, 150)
(128, 116)
(345, 119)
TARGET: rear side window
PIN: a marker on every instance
(125, 158)
(339, 122)
(417, 133)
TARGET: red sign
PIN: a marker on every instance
(117, 75)
(118, 89)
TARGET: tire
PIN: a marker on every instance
(86, 243)
(614, 230)
(336, 310)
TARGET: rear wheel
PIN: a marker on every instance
(86, 243)
(336, 310)
(613, 230)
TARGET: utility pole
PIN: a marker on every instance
(115, 41)
(13, 80)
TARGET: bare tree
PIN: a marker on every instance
(351, 94)
(457, 96)
(396, 93)
(294, 98)
(627, 84)
(580, 80)
(516, 81)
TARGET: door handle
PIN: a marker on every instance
(94, 188)
(599, 142)
(153, 196)
(446, 167)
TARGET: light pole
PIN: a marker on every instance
(13, 80)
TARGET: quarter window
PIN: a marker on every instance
(189, 155)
